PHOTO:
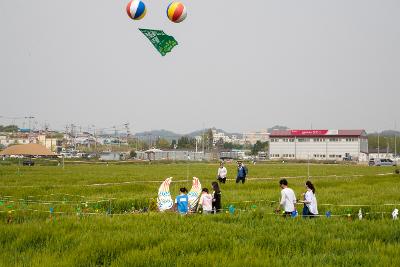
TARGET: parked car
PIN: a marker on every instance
(381, 162)
(28, 162)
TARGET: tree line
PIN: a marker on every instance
(8, 128)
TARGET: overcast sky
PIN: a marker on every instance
(239, 65)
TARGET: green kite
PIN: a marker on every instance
(161, 41)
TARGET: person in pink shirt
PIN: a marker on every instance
(205, 201)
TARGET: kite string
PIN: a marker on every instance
(13, 199)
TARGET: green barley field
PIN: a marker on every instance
(92, 215)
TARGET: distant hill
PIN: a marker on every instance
(169, 135)
(159, 133)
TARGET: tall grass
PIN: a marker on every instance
(251, 236)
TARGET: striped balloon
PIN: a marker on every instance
(176, 12)
(136, 9)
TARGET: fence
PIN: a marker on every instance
(174, 155)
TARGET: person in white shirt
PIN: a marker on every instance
(222, 173)
(288, 198)
(205, 201)
(310, 201)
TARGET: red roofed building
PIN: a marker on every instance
(319, 144)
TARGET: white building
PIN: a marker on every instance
(220, 136)
(253, 137)
(49, 143)
(7, 140)
(319, 144)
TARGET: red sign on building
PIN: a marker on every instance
(309, 132)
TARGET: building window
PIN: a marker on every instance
(291, 139)
(303, 139)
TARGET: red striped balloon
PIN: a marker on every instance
(176, 12)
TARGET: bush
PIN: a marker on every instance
(397, 171)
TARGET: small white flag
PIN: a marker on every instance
(395, 213)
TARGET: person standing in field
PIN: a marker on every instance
(216, 198)
(182, 202)
(205, 201)
(310, 201)
(288, 198)
(222, 173)
(241, 173)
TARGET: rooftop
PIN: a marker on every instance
(314, 133)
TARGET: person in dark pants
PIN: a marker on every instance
(241, 173)
(222, 172)
(310, 209)
(216, 198)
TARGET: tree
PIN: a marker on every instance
(385, 142)
(259, 146)
(9, 128)
(186, 142)
(162, 143)
(232, 146)
(220, 143)
(210, 138)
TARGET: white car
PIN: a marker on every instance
(381, 162)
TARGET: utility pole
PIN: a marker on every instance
(378, 146)
(73, 134)
(95, 139)
(30, 130)
(203, 139)
(387, 147)
(46, 128)
(395, 143)
(128, 133)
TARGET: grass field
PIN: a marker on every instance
(94, 219)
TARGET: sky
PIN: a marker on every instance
(240, 65)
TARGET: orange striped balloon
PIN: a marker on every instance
(176, 12)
